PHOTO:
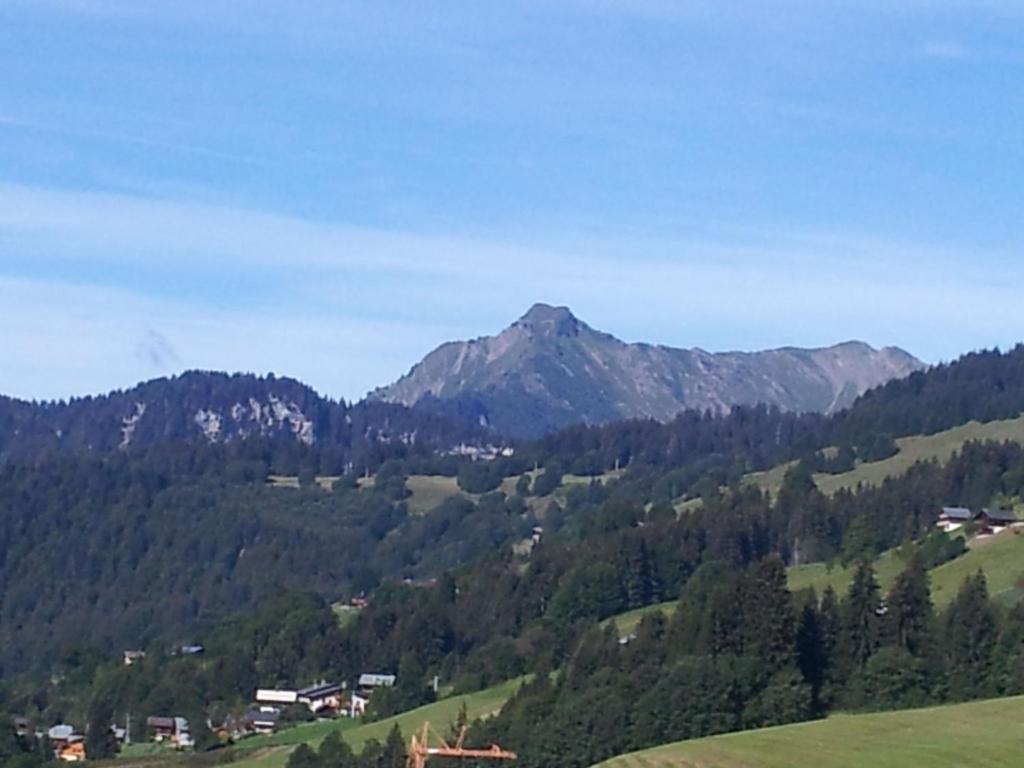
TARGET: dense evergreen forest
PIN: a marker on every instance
(200, 406)
(172, 541)
(496, 619)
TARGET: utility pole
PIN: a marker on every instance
(127, 728)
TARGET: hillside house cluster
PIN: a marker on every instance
(170, 730)
(986, 521)
(67, 742)
(323, 699)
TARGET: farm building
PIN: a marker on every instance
(276, 697)
(22, 727)
(321, 698)
(995, 520)
(62, 734)
(73, 752)
(258, 721)
(162, 727)
(954, 518)
(369, 681)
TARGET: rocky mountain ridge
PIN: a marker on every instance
(549, 369)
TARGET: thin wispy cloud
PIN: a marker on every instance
(350, 308)
(120, 138)
(329, 190)
(944, 49)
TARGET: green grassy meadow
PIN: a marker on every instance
(1000, 558)
(984, 734)
(627, 622)
(272, 751)
(428, 491)
(939, 447)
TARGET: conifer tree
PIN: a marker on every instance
(335, 752)
(908, 618)
(303, 756)
(810, 647)
(768, 619)
(859, 620)
(100, 742)
(970, 637)
(393, 755)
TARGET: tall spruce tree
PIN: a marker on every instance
(768, 619)
(100, 742)
(810, 647)
(335, 752)
(859, 621)
(909, 616)
(970, 637)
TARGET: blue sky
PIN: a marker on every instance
(330, 189)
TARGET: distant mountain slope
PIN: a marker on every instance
(200, 406)
(550, 369)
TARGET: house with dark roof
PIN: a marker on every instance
(258, 721)
(321, 698)
(954, 518)
(162, 727)
(995, 520)
(370, 680)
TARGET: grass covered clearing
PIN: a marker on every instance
(627, 622)
(1000, 558)
(292, 481)
(982, 734)
(428, 491)
(938, 447)
(272, 751)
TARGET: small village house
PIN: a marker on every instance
(370, 681)
(162, 728)
(173, 730)
(275, 698)
(61, 735)
(22, 727)
(367, 683)
(322, 698)
(260, 721)
(995, 520)
(357, 704)
(68, 745)
(72, 753)
(133, 657)
(954, 518)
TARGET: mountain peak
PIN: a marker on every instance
(546, 320)
(549, 369)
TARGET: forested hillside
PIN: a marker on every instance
(207, 407)
(186, 540)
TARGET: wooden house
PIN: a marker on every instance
(163, 728)
(73, 752)
(954, 518)
(321, 698)
(995, 520)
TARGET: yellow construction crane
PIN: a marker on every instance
(420, 749)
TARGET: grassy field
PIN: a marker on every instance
(940, 447)
(1001, 558)
(627, 622)
(272, 751)
(292, 481)
(428, 491)
(984, 734)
